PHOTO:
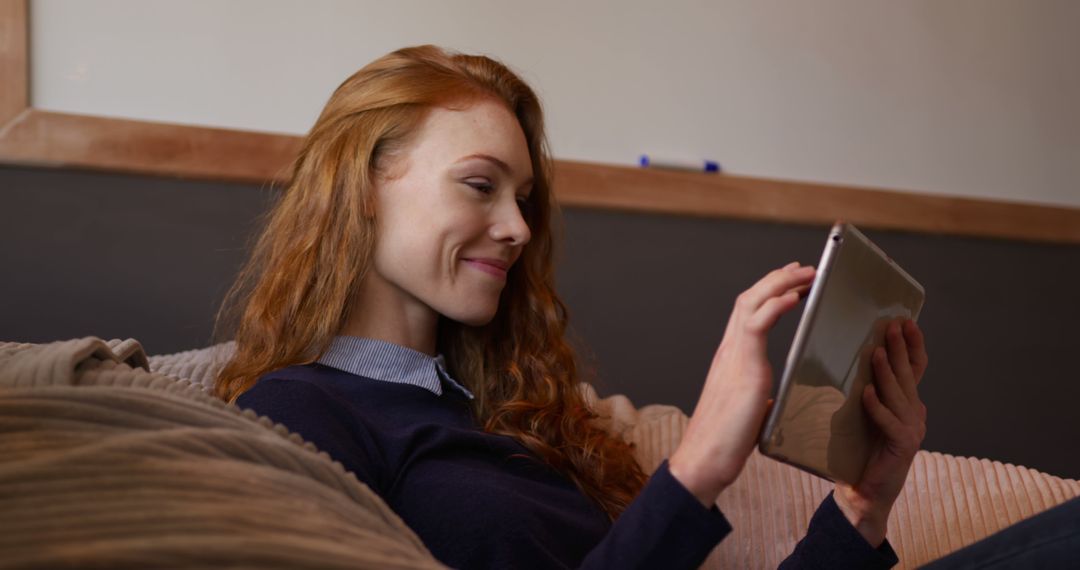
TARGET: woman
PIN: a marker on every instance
(399, 312)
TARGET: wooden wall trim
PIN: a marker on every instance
(14, 59)
(698, 194)
(40, 138)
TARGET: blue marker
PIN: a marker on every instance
(686, 165)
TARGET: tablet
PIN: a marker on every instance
(818, 422)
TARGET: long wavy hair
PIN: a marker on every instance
(292, 296)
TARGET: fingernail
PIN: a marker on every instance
(792, 265)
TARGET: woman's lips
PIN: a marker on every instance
(487, 267)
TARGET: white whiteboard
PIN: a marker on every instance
(967, 97)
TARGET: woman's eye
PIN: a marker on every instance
(524, 205)
(484, 187)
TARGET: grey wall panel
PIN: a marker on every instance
(651, 294)
(118, 256)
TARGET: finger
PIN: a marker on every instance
(883, 417)
(901, 437)
(776, 283)
(765, 317)
(750, 300)
(916, 349)
(885, 383)
(900, 361)
(900, 397)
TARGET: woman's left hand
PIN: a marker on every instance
(893, 404)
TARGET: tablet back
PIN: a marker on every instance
(818, 422)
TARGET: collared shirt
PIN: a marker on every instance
(389, 362)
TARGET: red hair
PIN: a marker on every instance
(291, 298)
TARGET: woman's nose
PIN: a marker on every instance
(509, 225)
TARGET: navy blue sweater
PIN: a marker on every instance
(479, 500)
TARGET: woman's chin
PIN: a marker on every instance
(476, 318)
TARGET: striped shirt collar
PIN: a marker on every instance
(388, 362)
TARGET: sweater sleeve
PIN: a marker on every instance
(664, 527)
(320, 419)
(832, 542)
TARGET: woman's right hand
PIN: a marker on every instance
(727, 420)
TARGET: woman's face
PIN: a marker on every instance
(449, 214)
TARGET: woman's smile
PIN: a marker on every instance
(493, 267)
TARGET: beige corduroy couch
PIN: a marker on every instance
(114, 459)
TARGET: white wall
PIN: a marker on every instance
(962, 97)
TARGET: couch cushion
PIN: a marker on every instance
(947, 503)
(109, 465)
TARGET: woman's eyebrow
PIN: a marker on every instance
(505, 168)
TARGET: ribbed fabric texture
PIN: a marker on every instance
(948, 501)
(107, 466)
(56, 363)
(199, 366)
